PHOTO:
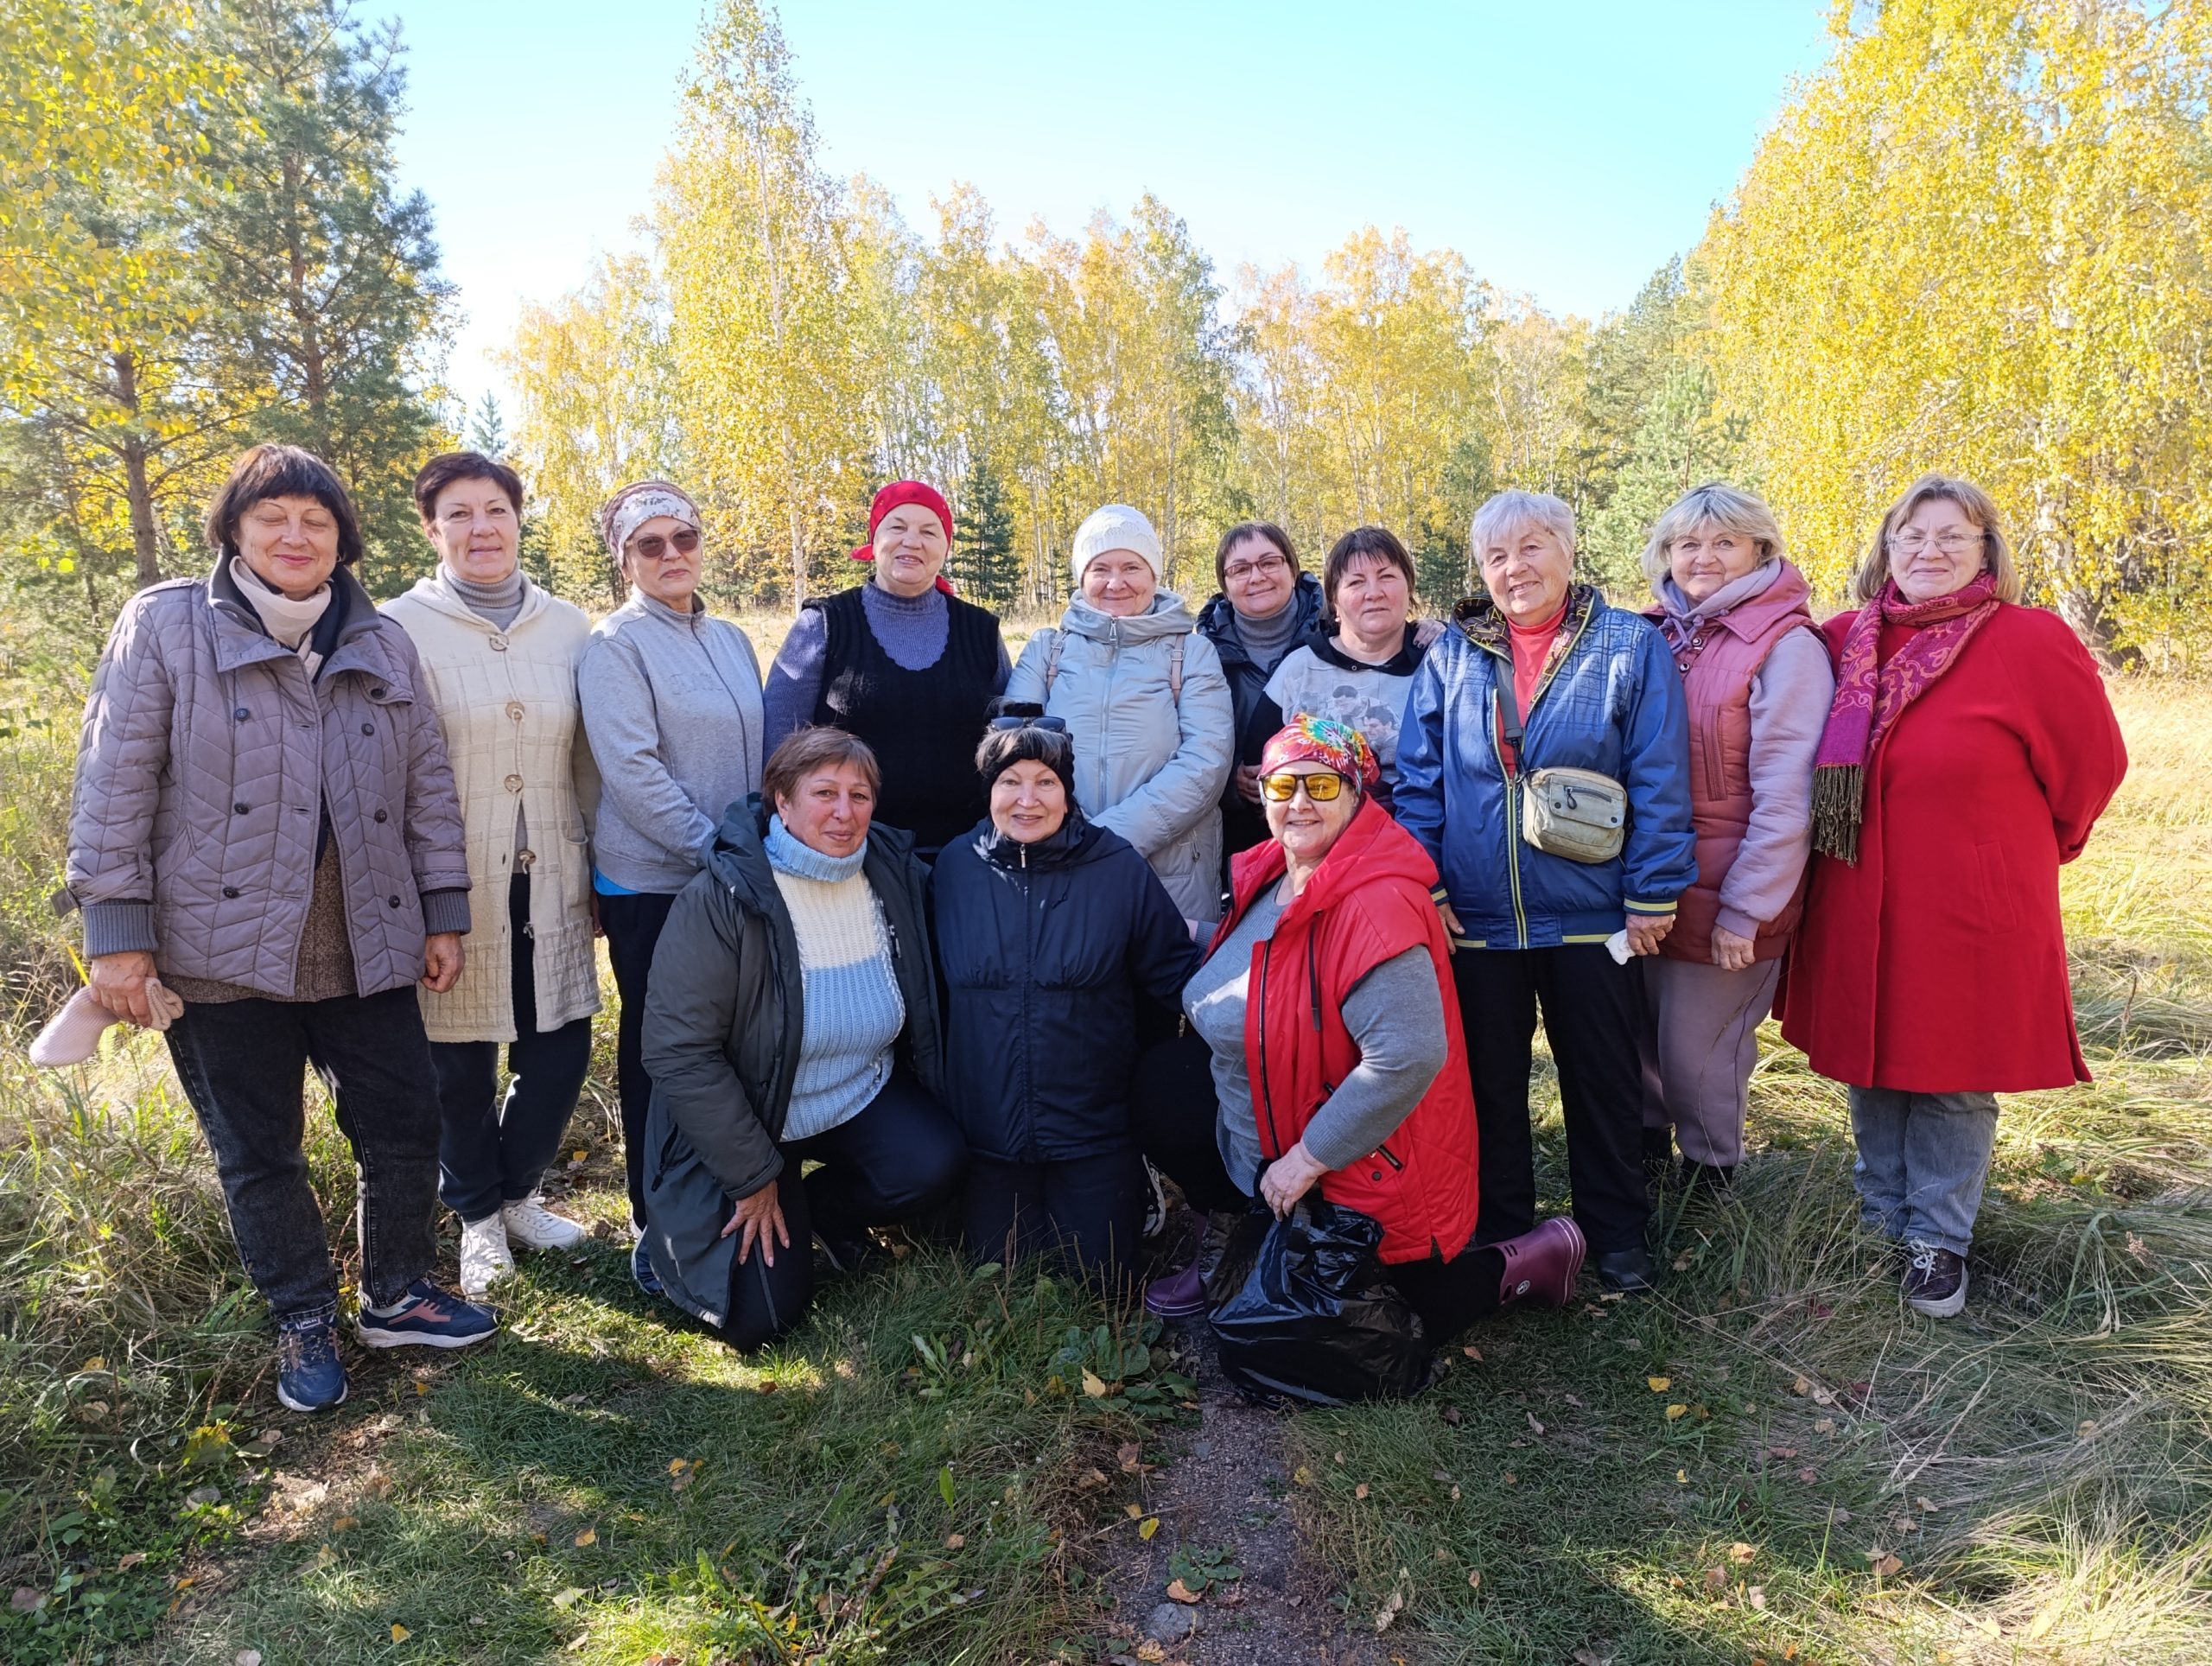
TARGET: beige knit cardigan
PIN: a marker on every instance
(507, 700)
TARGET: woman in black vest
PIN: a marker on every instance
(905, 664)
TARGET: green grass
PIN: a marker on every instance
(2038, 1469)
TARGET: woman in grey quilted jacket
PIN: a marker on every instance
(264, 817)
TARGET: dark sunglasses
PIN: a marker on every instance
(1057, 725)
(653, 547)
(1282, 786)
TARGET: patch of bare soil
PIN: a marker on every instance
(1226, 1540)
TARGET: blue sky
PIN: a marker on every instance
(1565, 150)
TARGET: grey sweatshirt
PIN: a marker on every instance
(1395, 1014)
(672, 705)
(1789, 707)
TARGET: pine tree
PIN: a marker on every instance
(984, 563)
(487, 428)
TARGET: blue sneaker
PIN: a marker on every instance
(427, 1318)
(641, 1269)
(308, 1376)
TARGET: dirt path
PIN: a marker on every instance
(1221, 1498)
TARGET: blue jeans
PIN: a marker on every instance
(242, 1064)
(493, 1151)
(1922, 1158)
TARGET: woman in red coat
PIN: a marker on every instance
(1968, 753)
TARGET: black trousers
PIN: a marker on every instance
(1594, 1014)
(1173, 1110)
(901, 1157)
(493, 1151)
(632, 926)
(242, 1065)
(1089, 1210)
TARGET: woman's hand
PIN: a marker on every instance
(1289, 1178)
(1647, 932)
(761, 1215)
(1247, 776)
(1454, 934)
(119, 985)
(441, 958)
(1730, 952)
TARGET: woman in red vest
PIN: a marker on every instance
(1337, 1056)
(1970, 750)
(1757, 679)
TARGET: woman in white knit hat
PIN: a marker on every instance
(1144, 697)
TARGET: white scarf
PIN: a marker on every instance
(289, 622)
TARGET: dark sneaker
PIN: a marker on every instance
(1177, 1296)
(1934, 1281)
(308, 1376)
(1628, 1271)
(1542, 1265)
(429, 1317)
(641, 1270)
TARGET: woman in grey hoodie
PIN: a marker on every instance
(672, 705)
(1143, 695)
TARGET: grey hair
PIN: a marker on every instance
(1719, 505)
(1508, 514)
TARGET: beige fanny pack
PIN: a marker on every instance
(1579, 814)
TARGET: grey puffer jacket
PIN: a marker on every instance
(206, 762)
(1149, 764)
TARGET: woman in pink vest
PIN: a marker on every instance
(1757, 676)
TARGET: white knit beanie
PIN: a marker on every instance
(1116, 526)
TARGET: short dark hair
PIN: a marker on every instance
(450, 467)
(1236, 535)
(1000, 749)
(1371, 541)
(264, 471)
(816, 746)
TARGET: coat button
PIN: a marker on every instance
(382, 816)
(499, 645)
(515, 711)
(368, 728)
(514, 783)
(394, 901)
(377, 692)
(525, 857)
(1376, 1175)
(230, 890)
(237, 810)
(241, 714)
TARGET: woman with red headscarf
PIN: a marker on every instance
(902, 663)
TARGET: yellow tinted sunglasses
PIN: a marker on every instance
(1282, 785)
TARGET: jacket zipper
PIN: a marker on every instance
(1389, 1157)
(1260, 997)
(1512, 775)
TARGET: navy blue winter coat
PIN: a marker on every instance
(1045, 950)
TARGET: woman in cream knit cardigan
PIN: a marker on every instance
(499, 660)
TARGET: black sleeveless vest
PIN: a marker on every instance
(923, 725)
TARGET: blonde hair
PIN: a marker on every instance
(1975, 504)
(1721, 506)
(1508, 514)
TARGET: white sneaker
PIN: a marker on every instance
(534, 1226)
(484, 1257)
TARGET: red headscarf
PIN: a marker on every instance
(897, 495)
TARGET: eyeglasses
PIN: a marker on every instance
(1238, 571)
(1952, 542)
(654, 547)
(1056, 725)
(1282, 786)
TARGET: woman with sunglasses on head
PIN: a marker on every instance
(672, 705)
(1327, 1004)
(904, 664)
(1052, 931)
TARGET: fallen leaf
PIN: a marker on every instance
(1455, 1495)
(1927, 1505)
(1133, 1510)
(1090, 1480)
(1756, 1597)
(955, 1542)
(1302, 1476)
(1824, 1426)
(1823, 1397)
(400, 1633)
(1147, 1527)
(343, 1523)
(1474, 1578)
(1803, 1385)
(1181, 1591)
(131, 1559)
(1534, 1424)
(25, 1600)
(1888, 1566)
(1129, 1454)
(1716, 1578)
(1682, 1261)
(589, 1536)
(1149, 1651)
(1676, 1411)
(678, 1465)
(1360, 1491)
(569, 1598)
(1472, 1352)
(1659, 1384)
(325, 1555)
(1452, 1415)
(1682, 1478)
(1572, 1401)
(1388, 1611)
(1094, 1385)
(246, 1658)
(1741, 1554)
(1511, 1479)
(1340, 1458)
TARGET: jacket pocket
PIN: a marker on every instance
(1996, 886)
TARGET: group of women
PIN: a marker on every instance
(1267, 900)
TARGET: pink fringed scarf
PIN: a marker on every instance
(1870, 697)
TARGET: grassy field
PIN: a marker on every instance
(1769, 1461)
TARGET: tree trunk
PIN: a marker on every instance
(2084, 609)
(314, 369)
(145, 530)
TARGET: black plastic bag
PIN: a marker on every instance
(1300, 1308)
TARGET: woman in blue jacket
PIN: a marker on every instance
(1050, 930)
(1543, 673)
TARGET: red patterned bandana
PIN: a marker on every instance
(1870, 699)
